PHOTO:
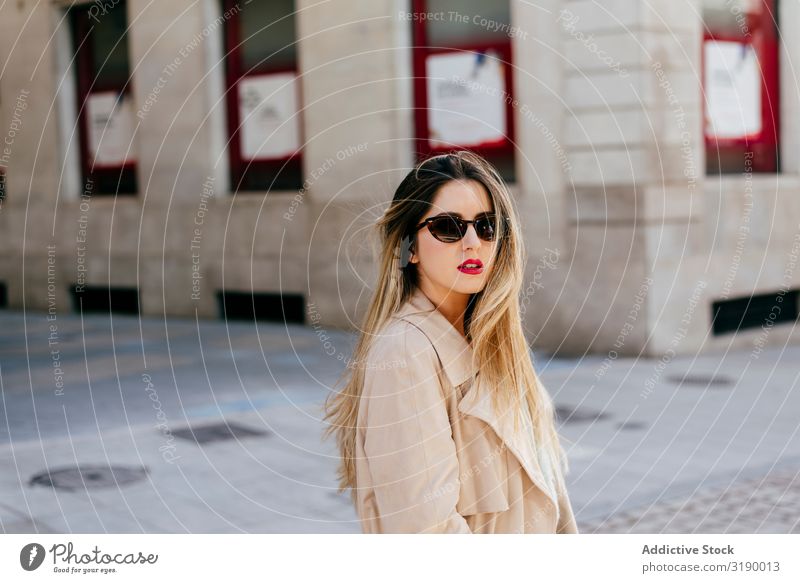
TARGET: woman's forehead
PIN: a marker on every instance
(463, 197)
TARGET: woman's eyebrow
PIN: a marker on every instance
(456, 214)
(446, 214)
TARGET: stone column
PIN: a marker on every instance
(357, 92)
(30, 156)
(634, 201)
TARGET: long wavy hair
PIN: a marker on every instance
(492, 322)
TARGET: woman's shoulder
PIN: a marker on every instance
(400, 339)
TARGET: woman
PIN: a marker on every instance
(443, 425)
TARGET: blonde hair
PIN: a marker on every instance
(492, 321)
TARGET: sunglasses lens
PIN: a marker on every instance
(446, 229)
(485, 227)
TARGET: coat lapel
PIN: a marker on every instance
(478, 403)
(456, 355)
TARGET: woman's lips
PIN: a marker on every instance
(471, 267)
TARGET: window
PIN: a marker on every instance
(263, 95)
(104, 300)
(756, 311)
(105, 103)
(740, 82)
(463, 79)
(259, 306)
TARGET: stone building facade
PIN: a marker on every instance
(633, 245)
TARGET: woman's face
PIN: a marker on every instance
(441, 265)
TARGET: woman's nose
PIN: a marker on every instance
(471, 239)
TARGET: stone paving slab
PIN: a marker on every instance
(680, 458)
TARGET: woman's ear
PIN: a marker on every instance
(412, 249)
(406, 249)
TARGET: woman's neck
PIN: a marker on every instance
(452, 305)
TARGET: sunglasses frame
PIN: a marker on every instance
(458, 220)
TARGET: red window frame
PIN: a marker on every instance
(106, 180)
(421, 51)
(285, 171)
(760, 148)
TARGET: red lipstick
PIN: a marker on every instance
(471, 267)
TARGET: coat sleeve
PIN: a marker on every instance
(408, 439)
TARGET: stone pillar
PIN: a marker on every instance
(542, 164)
(357, 92)
(29, 153)
(634, 199)
(182, 188)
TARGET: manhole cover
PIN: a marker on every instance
(577, 415)
(89, 476)
(700, 380)
(217, 432)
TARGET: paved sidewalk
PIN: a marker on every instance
(708, 444)
(770, 504)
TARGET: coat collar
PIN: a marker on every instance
(456, 356)
(452, 348)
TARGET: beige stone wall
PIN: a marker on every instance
(628, 242)
(358, 94)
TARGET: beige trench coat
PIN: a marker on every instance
(431, 454)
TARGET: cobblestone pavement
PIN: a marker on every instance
(706, 444)
(769, 504)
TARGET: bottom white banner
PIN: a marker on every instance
(354, 557)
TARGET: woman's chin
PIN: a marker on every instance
(468, 286)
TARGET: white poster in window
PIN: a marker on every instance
(733, 89)
(270, 126)
(111, 128)
(466, 99)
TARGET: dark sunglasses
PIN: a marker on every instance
(452, 228)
